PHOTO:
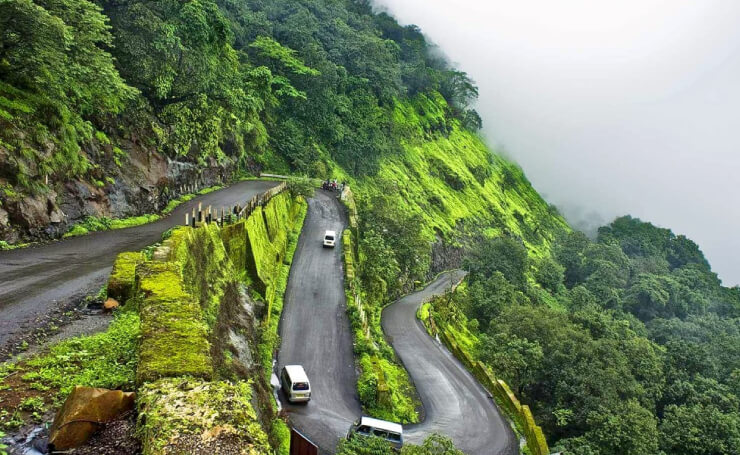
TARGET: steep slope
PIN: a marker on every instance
(109, 108)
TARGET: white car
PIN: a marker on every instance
(367, 426)
(295, 383)
(330, 238)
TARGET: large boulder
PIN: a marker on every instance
(84, 412)
(31, 212)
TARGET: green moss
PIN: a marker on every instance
(266, 243)
(174, 336)
(210, 189)
(205, 266)
(76, 231)
(94, 224)
(234, 237)
(133, 221)
(178, 416)
(261, 251)
(174, 203)
(122, 278)
(7, 246)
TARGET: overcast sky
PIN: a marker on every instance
(611, 108)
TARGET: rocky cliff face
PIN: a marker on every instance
(144, 182)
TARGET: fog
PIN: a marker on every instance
(611, 108)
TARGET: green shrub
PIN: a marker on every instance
(367, 388)
(359, 445)
(281, 434)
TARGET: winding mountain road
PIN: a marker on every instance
(315, 329)
(35, 280)
(455, 404)
(316, 333)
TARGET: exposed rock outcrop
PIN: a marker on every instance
(144, 182)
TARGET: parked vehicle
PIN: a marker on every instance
(329, 185)
(330, 238)
(367, 426)
(295, 383)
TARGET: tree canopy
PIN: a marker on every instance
(289, 84)
(626, 344)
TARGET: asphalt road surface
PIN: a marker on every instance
(316, 333)
(455, 404)
(315, 329)
(34, 280)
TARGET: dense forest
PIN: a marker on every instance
(623, 345)
(283, 84)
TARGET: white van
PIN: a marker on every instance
(330, 238)
(367, 426)
(295, 383)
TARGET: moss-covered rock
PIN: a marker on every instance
(192, 417)
(182, 296)
(205, 266)
(174, 338)
(261, 251)
(277, 217)
(234, 238)
(121, 280)
(267, 239)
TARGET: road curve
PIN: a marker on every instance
(34, 280)
(455, 404)
(315, 329)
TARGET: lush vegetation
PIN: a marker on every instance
(443, 190)
(627, 344)
(433, 445)
(291, 85)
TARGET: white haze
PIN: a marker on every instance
(611, 108)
